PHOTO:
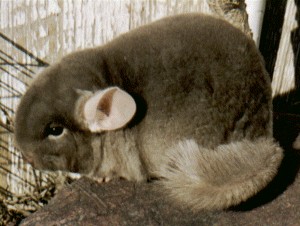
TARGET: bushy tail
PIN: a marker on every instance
(216, 179)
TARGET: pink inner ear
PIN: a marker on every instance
(105, 103)
(108, 109)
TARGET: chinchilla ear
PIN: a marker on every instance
(108, 109)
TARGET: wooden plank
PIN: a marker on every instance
(284, 72)
(271, 32)
(50, 29)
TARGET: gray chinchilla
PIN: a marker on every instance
(185, 100)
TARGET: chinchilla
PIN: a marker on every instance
(185, 100)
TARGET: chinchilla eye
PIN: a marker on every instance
(54, 130)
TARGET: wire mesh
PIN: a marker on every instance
(18, 180)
